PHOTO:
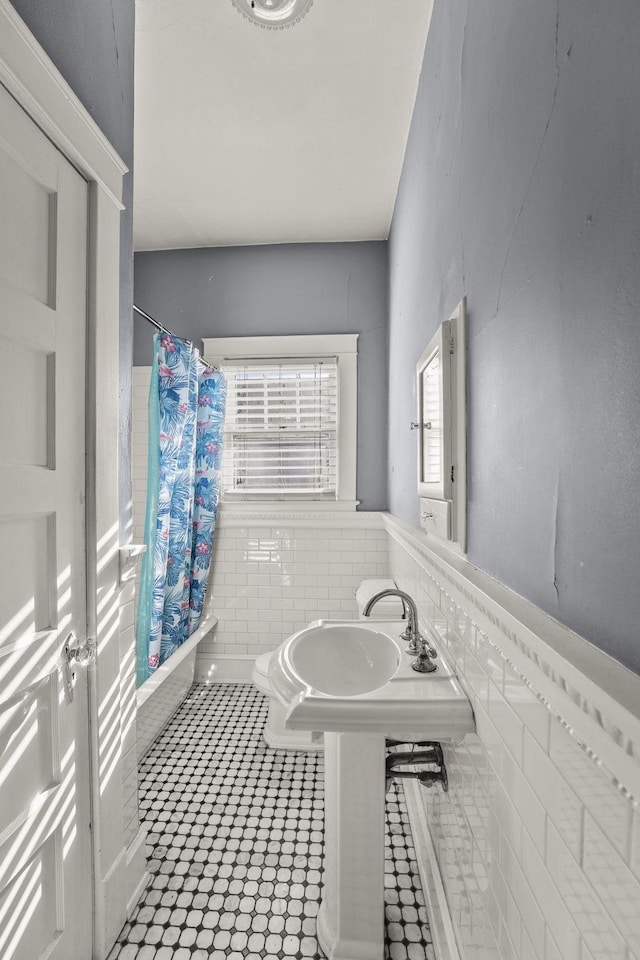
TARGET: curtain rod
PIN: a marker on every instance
(160, 326)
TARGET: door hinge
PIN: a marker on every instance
(451, 345)
(453, 474)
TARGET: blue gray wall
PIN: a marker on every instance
(282, 289)
(521, 189)
(91, 43)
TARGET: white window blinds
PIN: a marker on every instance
(281, 428)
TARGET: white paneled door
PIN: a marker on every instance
(45, 848)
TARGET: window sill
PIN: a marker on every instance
(243, 509)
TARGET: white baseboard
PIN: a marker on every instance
(224, 667)
(137, 875)
(119, 893)
(110, 907)
(440, 924)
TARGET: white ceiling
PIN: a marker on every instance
(248, 135)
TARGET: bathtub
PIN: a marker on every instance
(160, 696)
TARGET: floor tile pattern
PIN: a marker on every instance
(235, 844)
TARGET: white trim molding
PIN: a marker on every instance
(296, 345)
(596, 698)
(440, 925)
(31, 77)
(312, 514)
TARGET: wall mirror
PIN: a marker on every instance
(441, 427)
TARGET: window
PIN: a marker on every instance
(440, 388)
(281, 427)
(290, 426)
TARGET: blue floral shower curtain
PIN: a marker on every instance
(186, 416)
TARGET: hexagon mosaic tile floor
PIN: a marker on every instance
(235, 844)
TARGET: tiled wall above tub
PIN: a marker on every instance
(538, 838)
(270, 577)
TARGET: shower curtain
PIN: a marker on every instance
(186, 416)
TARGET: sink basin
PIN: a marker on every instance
(342, 660)
(354, 677)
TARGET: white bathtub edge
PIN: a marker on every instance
(156, 679)
(224, 667)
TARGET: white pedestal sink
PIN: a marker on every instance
(353, 681)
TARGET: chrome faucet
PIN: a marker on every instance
(417, 643)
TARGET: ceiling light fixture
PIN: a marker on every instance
(273, 14)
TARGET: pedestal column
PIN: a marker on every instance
(351, 917)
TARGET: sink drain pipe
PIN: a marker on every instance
(423, 756)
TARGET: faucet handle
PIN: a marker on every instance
(416, 641)
(423, 648)
(424, 662)
(427, 648)
(419, 645)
